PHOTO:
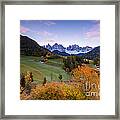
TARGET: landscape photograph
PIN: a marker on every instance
(59, 59)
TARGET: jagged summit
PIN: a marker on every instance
(71, 49)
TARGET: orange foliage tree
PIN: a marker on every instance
(90, 79)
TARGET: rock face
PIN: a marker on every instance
(56, 46)
(71, 49)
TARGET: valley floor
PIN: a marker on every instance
(48, 85)
(51, 69)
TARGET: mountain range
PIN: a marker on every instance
(32, 48)
(71, 49)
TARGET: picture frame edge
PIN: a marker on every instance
(2, 67)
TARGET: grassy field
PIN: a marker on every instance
(50, 70)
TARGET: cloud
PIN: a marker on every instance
(93, 32)
(50, 40)
(45, 33)
(49, 23)
(47, 41)
(96, 21)
(24, 29)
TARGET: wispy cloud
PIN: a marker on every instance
(96, 21)
(24, 29)
(49, 23)
(45, 33)
(93, 32)
(50, 40)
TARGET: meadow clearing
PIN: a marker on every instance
(51, 69)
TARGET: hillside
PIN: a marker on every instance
(30, 47)
(60, 53)
(93, 54)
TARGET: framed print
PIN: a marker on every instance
(60, 59)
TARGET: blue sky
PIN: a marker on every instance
(65, 32)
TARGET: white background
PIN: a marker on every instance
(104, 13)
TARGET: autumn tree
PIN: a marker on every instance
(89, 77)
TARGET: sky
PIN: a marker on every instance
(65, 32)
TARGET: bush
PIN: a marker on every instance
(56, 91)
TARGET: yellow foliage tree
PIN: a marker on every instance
(90, 79)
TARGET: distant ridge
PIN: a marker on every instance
(60, 53)
(93, 54)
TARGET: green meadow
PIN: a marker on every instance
(51, 69)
